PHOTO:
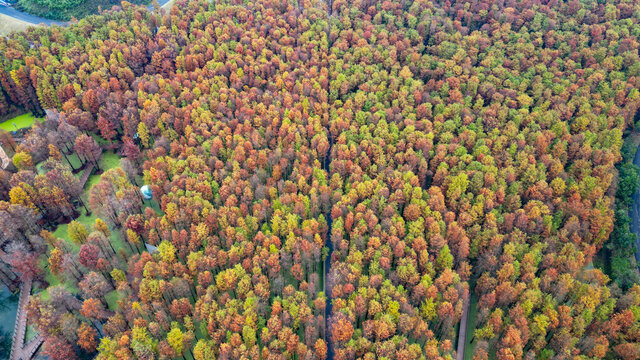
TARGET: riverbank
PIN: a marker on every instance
(635, 212)
(618, 258)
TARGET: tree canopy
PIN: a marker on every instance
(332, 179)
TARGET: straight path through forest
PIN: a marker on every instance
(327, 262)
(635, 212)
(462, 332)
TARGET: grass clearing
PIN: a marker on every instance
(469, 347)
(108, 161)
(10, 24)
(168, 5)
(151, 204)
(73, 159)
(20, 121)
(112, 298)
(54, 280)
(87, 220)
(31, 333)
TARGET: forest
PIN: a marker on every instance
(68, 9)
(330, 180)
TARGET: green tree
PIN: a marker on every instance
(143, 134)
(458, 186)
(22, 160)
(175, 337)
(77, 232)
(444, 259)
(204, 351)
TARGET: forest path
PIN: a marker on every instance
(85, 175)
(462, 333)
(635, 212)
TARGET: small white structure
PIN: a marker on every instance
(146, 192)
(4, 159)
(150, 248)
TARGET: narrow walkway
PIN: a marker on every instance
(29, 350)
(462, 333)
(20, 351)
(85, 175)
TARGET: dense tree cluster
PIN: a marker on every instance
(68, 9)
(428, 150)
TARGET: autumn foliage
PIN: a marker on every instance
(332, 180)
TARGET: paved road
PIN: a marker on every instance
(36, 20)
(635, 212)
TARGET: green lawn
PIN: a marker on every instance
(469, 347)
(117, 242)
(112, 298)
(152, 204)
(21, 122)
(73, 159)
(108, 161)
(31, 333)
(87, 220)
(54, 280)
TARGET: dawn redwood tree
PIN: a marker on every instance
(89, 255)
(94, 285)
(77, 232)
(58, 348)
(87, 338)
(114, 197)
(55, 261)
(106, 128)
(66, 136)
(452, 144)
(86, 147)
(26, 264)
